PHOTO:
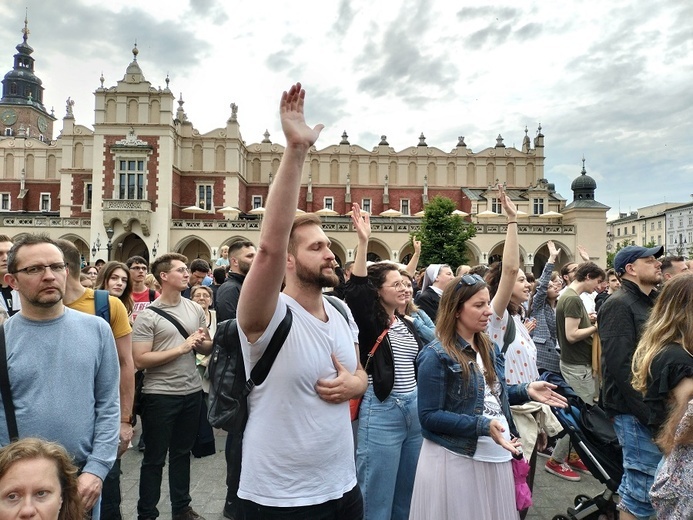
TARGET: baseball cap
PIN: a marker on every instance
(630, 254)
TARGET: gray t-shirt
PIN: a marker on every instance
(178, 377)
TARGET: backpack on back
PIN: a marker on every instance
(228, 387)
(102, 308)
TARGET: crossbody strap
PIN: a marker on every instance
(171, 319)
(378, 342)
(6, 391)
(261, 369)
(510, 333)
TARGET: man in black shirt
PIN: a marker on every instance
(9, 298)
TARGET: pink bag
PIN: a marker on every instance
(523, 495)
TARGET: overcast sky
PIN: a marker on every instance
(612, 81)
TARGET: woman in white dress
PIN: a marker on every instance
(464, 468)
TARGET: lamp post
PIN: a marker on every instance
(97, 245)
(109, 245)
(155, 246)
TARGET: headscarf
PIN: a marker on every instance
(432, 272)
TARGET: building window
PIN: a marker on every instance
(45, 202)
(257, 201)
(366, 205)
(651, 226)
(5, 201)
(328, 203)
(205, 196)
(87, 196)
(680, 221)
(659, 224)
(495, 205)
(633, 232)
(618, 232)
(644, 227)
(8, 132)
(538, 206)
(659, 240)
(404, 206)
(131, 179)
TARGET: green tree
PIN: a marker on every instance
(610, 256)
(443, 235)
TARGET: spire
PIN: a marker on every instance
(180, 113)
(135, 52)
(25, 31)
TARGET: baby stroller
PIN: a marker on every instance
(594, 439)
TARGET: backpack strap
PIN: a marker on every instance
(152, 295)
(510, 333)
(261, 369)
(339, 305)
(171, 319)
(102, 307)
(6, 391)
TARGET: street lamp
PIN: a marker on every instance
(97, 245)
(155, 246)
(109, 245)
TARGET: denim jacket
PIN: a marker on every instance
(450, 407)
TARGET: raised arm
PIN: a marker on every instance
(362, 225)
(266, 275)
(511, 256)
(411, 266)
(539, 299)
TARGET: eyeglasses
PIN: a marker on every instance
(397, 286)
(138, 268)
(469, 280)
(34, 270)
(181, 270)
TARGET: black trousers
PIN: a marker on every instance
(348, 507)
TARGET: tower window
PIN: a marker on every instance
(131, 179)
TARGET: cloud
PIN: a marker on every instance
(209, 10)
(345, 16)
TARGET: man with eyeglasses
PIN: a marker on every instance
(62, 365)
(172, 387)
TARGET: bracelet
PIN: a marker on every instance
(511, 222)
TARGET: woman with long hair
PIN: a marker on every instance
(663, 372)
(38, 480)
(389, 434)
(422, 323)
(464, 469)
(115, 278)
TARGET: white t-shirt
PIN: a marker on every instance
(486, 448)
(298, 450)
(521, 356)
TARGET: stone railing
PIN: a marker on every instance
(43, 222)
(127, 205)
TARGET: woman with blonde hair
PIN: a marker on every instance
(464, 469)
(38, 479)
(663, 372)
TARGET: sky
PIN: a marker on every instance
(608, 81)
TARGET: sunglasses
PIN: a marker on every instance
(469, 280)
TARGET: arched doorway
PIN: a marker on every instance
(81, 245)
(130, 245)
(193, 248)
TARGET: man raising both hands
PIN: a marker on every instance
(310, 474)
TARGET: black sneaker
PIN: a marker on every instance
(187, 514)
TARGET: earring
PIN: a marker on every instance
(457, 315)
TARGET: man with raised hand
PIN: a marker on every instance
(311, 473)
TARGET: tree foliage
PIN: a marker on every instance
(443, 235)
(610, 256)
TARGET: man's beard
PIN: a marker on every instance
(312, 279)
(243, 267)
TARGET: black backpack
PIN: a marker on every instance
(228, 387)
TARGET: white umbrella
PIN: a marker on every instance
(460, 213)
(324, 212)
(488, 214)
(551, 214)
(228, 212)
(521, 214)
(419, 213)
(193, 210)
(257, 211)
(391, 213)
(351, 213)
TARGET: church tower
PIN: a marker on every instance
(22, 113)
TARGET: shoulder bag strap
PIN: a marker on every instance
(339, 306)
(510, 333)
(260, 371)
(171, 319)
(377, 343)
(6, 391)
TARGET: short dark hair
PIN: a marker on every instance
(135, 260)
(668, 261)
(100, 261)
(162, 263)
(5, 238)
(589, 270)
(238, 245)
(199, 265)
(72, 256)
(219, 275)
(29, 239)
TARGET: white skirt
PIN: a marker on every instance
(450, 486)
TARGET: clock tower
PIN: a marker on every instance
(22, 113)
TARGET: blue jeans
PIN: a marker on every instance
(388, 445)
(170, 425)
(640, 460)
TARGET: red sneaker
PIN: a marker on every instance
(561, 469)
(576, 463)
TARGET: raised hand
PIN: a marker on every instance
(583, 253)
(361, 221)
(508, 205)
(417, 246)
(553, 251)
(296, 131)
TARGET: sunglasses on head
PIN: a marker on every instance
(470, 279)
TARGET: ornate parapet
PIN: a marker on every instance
(127, 212)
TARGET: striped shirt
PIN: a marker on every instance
(404, 350)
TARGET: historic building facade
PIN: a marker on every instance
(144, 180)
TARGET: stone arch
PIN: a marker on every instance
(541, 256)
(452, 174)
(392, 172)
(495, 254)
(338, 250)
(78, 155)
(51, 167)
(9, 166)
(511, 180)
(490, 173)
(220, 158)
(255, 171)
(405, 252)
(377, 250)
(373, 173)
(197, 157)
(334, 171)
(354, 172)
(132, 111)
(194, 247)
(110, 111)
(155, 111)
(471, 174)
(81, 244)
(29, 166)
(473, 253)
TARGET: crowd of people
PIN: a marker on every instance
(446, 369)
